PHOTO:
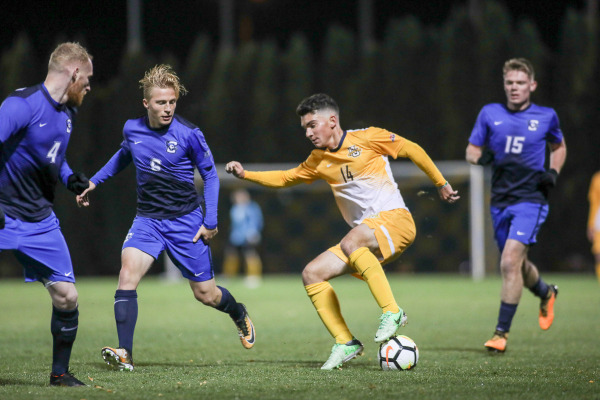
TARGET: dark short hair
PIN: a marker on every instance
(316, 102)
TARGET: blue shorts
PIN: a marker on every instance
(521, 222)
(40, 247)
(175, 236)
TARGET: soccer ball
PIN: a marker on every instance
(398, 353)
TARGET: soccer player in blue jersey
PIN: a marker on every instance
(35, 127)
(513, 137)
(165, 148)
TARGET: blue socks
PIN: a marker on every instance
(507, 312)
(126, 313)
(540, 289)
(63, 326)
(229, 305)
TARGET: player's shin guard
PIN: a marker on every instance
(370, 269)
(327, 305)
(126, 313)
(64, 330)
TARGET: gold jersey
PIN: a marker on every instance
(594, 199)
(358, 172)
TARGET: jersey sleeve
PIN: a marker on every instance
(203, 159)
(422, 160)
(480, 132)
(303, 173)
(384, 142)
(118, 162)
(65, 171)
(554, 134)
(15, 114)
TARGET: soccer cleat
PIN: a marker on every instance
(245, 329)
(340, 353)
(390, 323)
(547, 307)
(66, 379)
(118, 358)
(498, 342)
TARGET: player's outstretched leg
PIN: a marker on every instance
(546, 316)
(341, 353)
(118, 359)
(498, 342)
(66, 379)
(390, 322)
(245, 329)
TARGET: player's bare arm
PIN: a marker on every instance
(83, 199)
(205, 234)
(235, 168)
(558, 155)
(473, 153)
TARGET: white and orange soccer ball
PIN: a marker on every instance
(398, 353)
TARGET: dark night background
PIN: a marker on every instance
(432, 68)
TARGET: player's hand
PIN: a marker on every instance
(205, 234)
(83, 198)
(548, 180)
(487, 157)
(77, 182)
(235, 168)
(448, 194)
(2, 219)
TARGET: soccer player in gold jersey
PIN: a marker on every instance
(593, 225)
(355, 164)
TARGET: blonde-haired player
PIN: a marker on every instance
(355, 164)
(165, 148)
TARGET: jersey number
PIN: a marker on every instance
(347, 176)
(514, 144)
(53, 152)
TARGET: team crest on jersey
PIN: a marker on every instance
(129, 235)
(533, 124)
(171, 146)
(392, 137)
(69, 125)
(354, 151)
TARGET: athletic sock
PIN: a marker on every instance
(327, 305)
(370, 269)
(126, 313)
(540, 289)
(505, 316)
(64, 330)
(229, 305)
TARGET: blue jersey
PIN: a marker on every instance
(164, 160)
(518, 140)
(34, 134)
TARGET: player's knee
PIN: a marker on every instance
(208, 298)
(66, 300)
(310, 275)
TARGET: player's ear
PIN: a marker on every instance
(533, 86)
(332, 120)
(74, 76)
(145, 102)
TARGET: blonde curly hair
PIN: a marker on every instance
(161, 76)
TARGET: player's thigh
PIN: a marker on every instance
(324, 267)
(194, 260)
(394, 231)
(134, 265)
(43, 251)
(527, 220)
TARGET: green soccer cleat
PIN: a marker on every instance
(389, 324)
(118, 358)
(340, 353)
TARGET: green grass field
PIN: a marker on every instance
(184, 350)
